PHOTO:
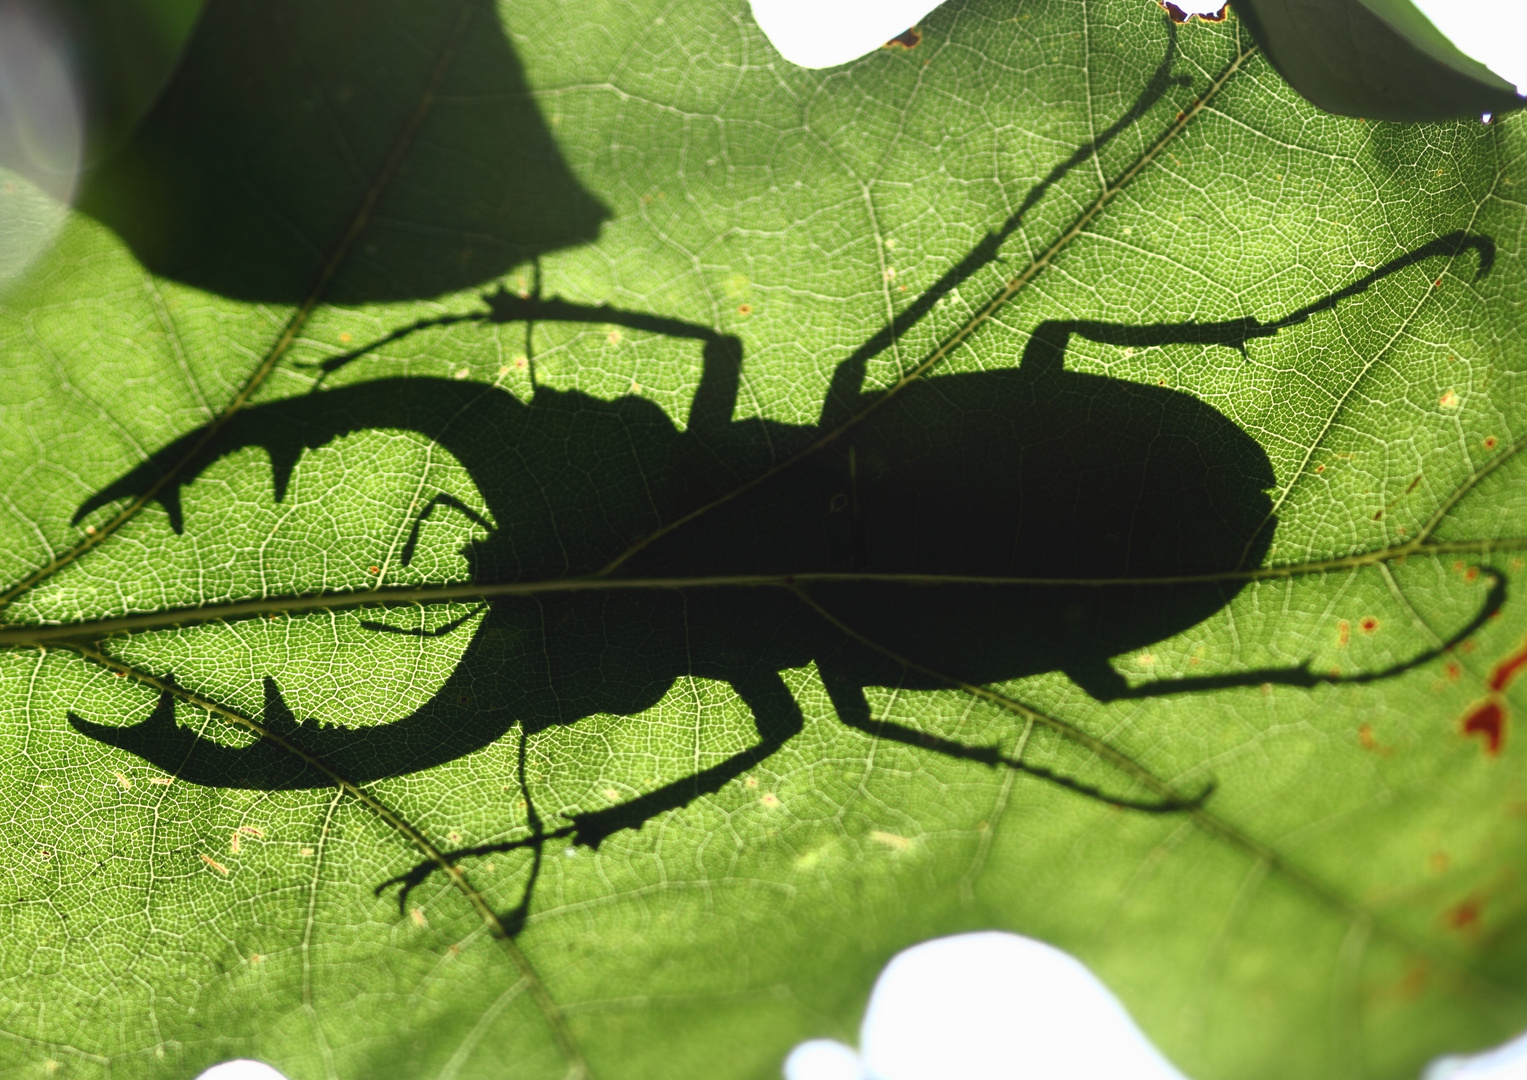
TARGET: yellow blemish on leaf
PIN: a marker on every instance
(813, 858)
(164, 781)
(611, 794)
(891, 840)
(213, 863)
(417, 915)
(1450, 400)
(305, 851)
(124, 782)
(613, 337)
(770, 799)
(462, 374)
(233, 843)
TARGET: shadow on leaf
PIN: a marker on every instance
(391, 143)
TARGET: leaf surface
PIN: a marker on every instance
(546, 540)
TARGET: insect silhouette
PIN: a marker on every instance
(1033, 472)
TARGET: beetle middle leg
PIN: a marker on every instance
(777, 717)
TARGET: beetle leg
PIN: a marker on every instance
(440, 500)
(777, 718)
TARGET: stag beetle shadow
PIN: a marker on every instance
(1033, 471)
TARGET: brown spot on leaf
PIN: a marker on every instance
(1414, 484)
(1489, 442)
(1465, 915)
(1343, 633)
(1413, 982)
(1489, 722)
(907, 39)
(1366, 738)
(1506, 671)
(214, 864)
(744, 309)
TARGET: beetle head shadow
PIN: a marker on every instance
(284, 116)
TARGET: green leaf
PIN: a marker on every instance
(544, 540)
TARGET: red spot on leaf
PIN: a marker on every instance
(1471, 573)
(1507, 669)
(1489, 722)
(1369, 624)
(1452, 670)
(1465, 915)
(1490, 442)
